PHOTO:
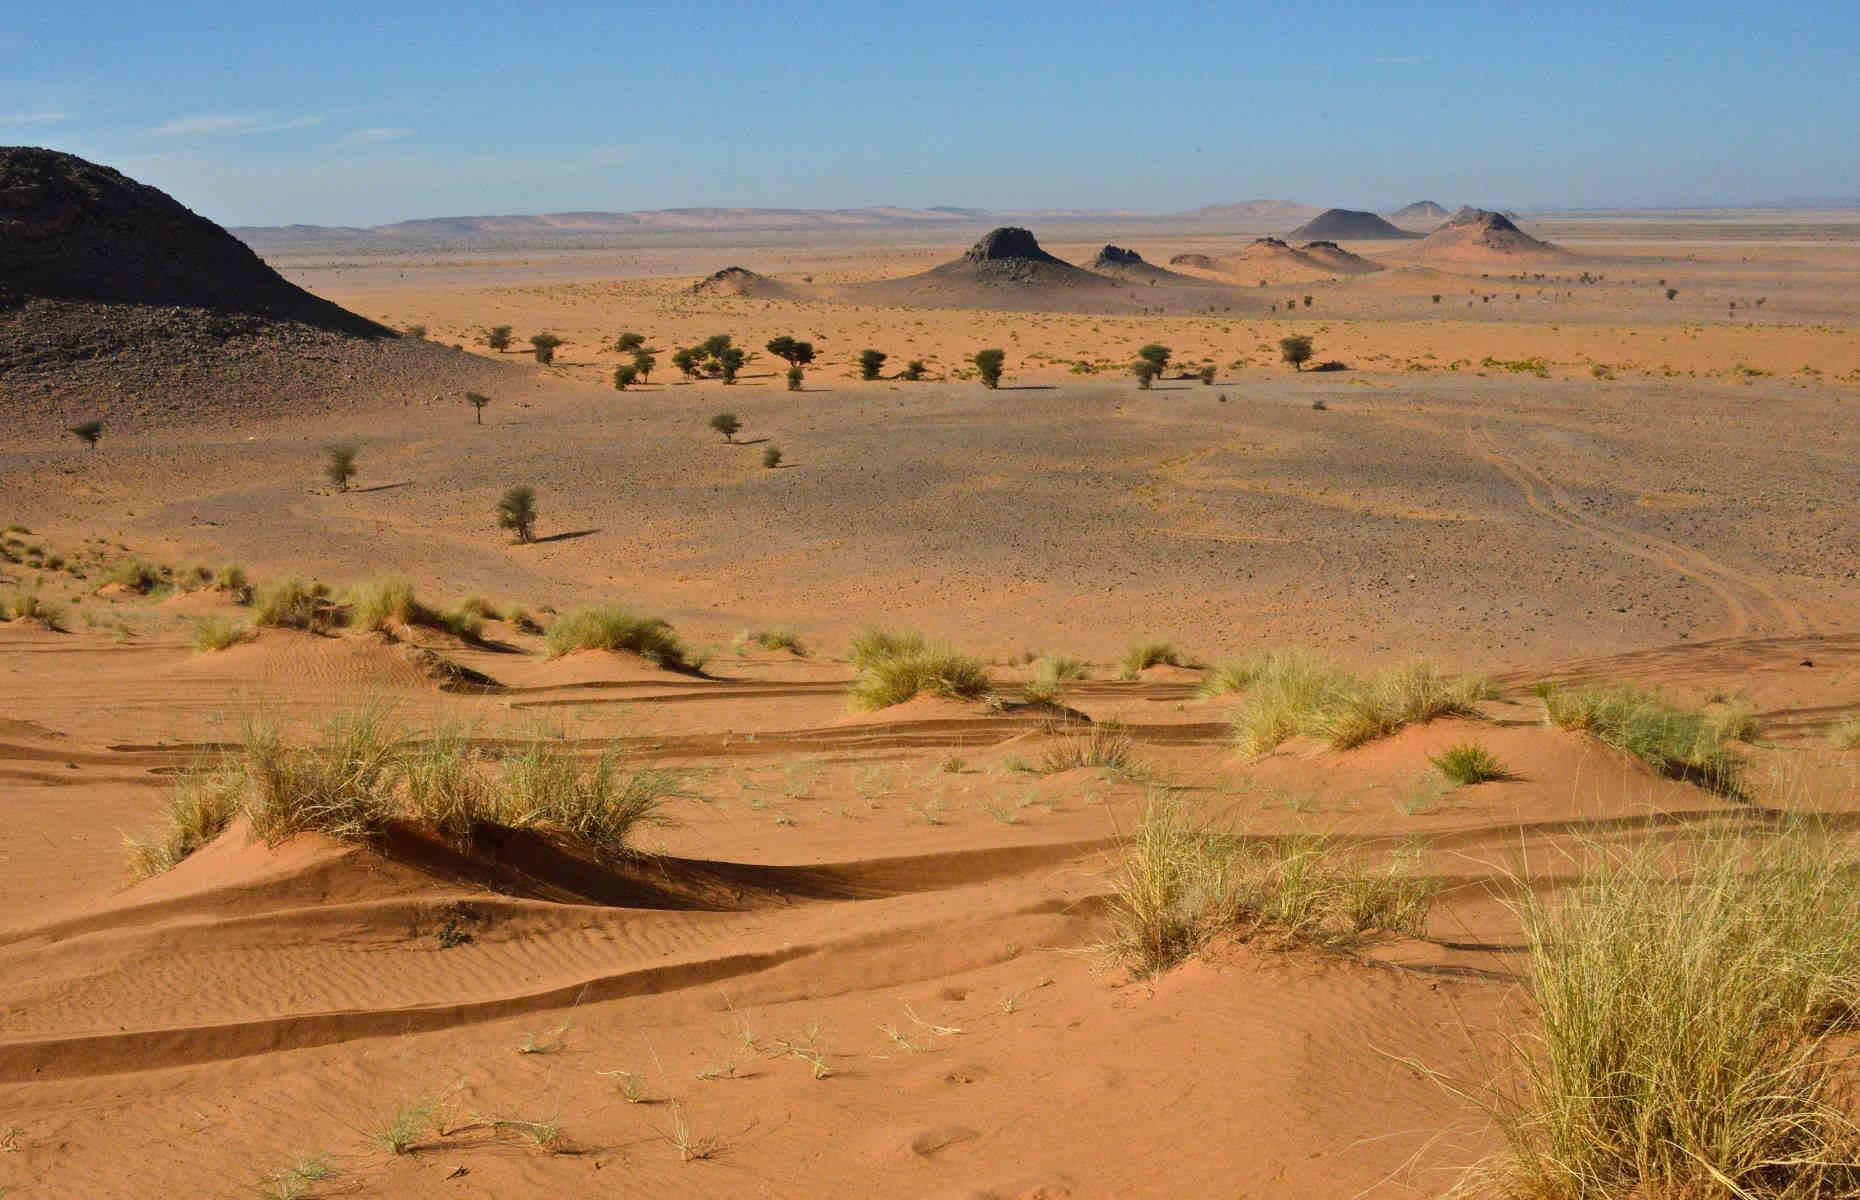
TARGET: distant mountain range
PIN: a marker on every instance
(594, 228)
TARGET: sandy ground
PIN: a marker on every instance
(895, 895)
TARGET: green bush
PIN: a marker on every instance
(1296, 350)
(516, 511)
(988, 363)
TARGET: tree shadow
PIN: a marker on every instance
(1025, 387)
(383, 487)
(746, 442)
(563, 537)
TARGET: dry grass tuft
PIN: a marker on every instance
(1692, 1006)
(595, 804)
(201, 803)
(1679, 743)
(613, 628)
(1288, 694)
(343, 788)
(217, 633)
(1142, 655)
(894, 667)
(1846, 734)
(1101, 745)
(1180, 883)
(292, 605)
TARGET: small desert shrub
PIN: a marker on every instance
(1292, 694)
(217, 633)
(291, 605)
(913, 370)
(137, 576)
(771, 457)
(613, 628)
(200, 805)
(1295, 349)
(1686, 1005)
(871, 362)
(1152, 654)
(1469, 763)
(1180, 883)
(1102, 745)
(895, 667)
(596, 804)
(1674, 741)
(340, 465)
(727, 424)
(516, 511)
(988, 364)
(795, 378)
(342, 787)
(1846, 734)
(544, 345)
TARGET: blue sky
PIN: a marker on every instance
(345, 113)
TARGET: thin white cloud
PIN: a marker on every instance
(610, 156)
(205, 124)
(373, 137)
(34, 118)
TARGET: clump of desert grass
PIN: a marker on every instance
(200, 804)
(1468, 763)
(1677, 742)
(231, 579)
(292, 604)
(363, 774)
(136, 575)
(1179, 883)
(1292, 694)
(594, 803)
(341, 786)
(610, 627)
(779, 638)
(389, 601)
(1051, 673)
(895, 667)
(1100, 745)
(28, 605)
(217, 633)
(1846, 734)
(1692, 1013)
(1143, 655)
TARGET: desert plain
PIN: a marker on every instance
(873, 951)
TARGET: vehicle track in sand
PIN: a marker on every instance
(1751, 603)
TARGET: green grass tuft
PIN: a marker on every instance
(1676, 742)
(613, 628)
(217, 633)
(1142, 655)
(1290, 694)
(894, 667)
(1469, 763)
(291, 605)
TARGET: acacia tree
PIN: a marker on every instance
(729, 361)
(1295, 349)
(1155, 353)
(477, 400)
(627, 343)
(989, 364)
(686, 359)
(871, 362)
(624, 376)
(643, 364)
(1145, 370)
(341, 465)
(88, 432)
(797, 354)
(516, 511)
(544, 344)
(497, 337)
(726, 424)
